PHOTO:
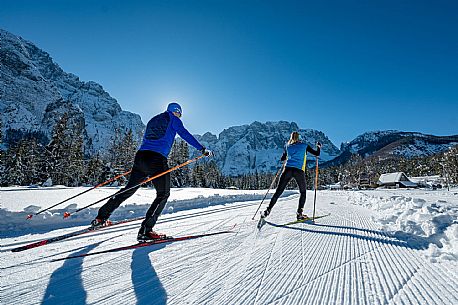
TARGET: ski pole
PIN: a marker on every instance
(316, 186)
(67, 214)
(270, 187)
(79, 194)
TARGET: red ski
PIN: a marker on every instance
(145, 244)
(69, 235)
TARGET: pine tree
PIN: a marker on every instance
(211, 175)
(15, 165)
(2, 157)
(58, 153)
(95, 171)
(197, 179)
(130, 149)
(178, 155)
(451, 164)
(24, 162)
(122, 152)
(75, 167)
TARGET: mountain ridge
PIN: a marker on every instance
(35, 92)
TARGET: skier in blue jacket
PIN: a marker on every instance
(150, 160)
(296, 158)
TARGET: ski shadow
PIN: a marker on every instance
(404, 240)
(147, 286)
(66, 283)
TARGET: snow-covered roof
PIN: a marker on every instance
(393, 178)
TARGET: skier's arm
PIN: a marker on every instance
(314, 152)
(177, 125)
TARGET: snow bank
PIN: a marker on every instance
(428, 218)
(14, 223)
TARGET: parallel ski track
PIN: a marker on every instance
(342, 259)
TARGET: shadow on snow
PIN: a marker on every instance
(66, 284)
(405, 240)
(147, 286)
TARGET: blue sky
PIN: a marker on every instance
(342, 67)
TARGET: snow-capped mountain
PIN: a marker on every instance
(393, 143)
(259, 146)
(35, 91)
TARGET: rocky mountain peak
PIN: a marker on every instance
(35, 92)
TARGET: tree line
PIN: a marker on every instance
(32, 159)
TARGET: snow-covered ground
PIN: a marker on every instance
(18, 202)
(376, 247)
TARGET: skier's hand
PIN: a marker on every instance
(206, 152)
(318, 144)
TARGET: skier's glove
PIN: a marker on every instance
(318, 144)
(206, 152)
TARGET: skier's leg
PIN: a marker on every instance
(162, 185)
(299, 176)
(284, 179)
(136, 177)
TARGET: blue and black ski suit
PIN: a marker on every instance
(150, 160)
(296, 162)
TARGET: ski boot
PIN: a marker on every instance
(301, 216)
(99, 223)
(262, 220)
(143, 237)
(265, 213)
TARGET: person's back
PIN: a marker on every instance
(297, 155)
(161, 131)
(158, 136)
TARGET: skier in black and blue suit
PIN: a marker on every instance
(295, 155)
(150, 160)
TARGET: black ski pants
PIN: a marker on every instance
(286, 176)
(146, 164)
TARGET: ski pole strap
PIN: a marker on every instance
(79, 194)
(67, 214)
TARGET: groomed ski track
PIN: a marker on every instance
(342, 259)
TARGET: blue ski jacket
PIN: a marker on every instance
(296, 155)
(161, 131)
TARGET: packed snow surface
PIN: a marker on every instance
(375, 247)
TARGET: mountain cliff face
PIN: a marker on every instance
(259, 146)
(392, 143)
(35, 92)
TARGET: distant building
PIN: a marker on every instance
(333, 187)
(433, 182)
(397, 180)
(364, 181)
